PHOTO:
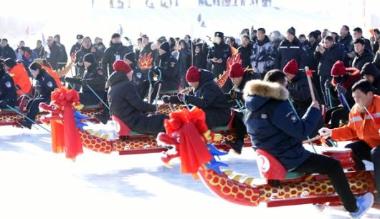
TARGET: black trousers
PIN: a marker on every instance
(88, 98)
(33, 108)
(328, 166)
(335, 115)
(362, 151)
(150, 124)
(239, 126)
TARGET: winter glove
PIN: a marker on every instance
(171, 99)
(341, 89)
(3, 104)
(233, 94)
(166, 99)
(73, 80)
(181, 97)
(325, 132)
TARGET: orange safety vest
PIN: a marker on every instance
(21, 79)
(53, 74)
(361, 126)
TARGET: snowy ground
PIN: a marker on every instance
(35, 183)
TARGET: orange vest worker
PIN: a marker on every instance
(361, 126)
(21, 79)
(53, 74)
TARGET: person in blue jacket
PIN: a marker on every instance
(8, 96)
(274, 126)
(43, 88)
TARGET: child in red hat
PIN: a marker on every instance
(206, 95)
(342, 80)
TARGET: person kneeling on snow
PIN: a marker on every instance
(127, 105)
(44, 85)
(206, 95)
(364, 119)
(274, 127)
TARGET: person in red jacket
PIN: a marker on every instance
(19, 75)
(362, 128)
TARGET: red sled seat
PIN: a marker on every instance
(124, 130)
(271, 169)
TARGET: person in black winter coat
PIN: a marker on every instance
(8, 94)
(44, 86)
(76, 47)
(200, 55)
(130, 59)
(138, 77)
(168, 67)
(346, 41)
(62, 56)
(54, 55)
(184, 62)
(372, 74)
(362, 54)
(100, 49)
(6, 51)
(309, 48)
(94, 79)
(298, 87)
(263, 54)
(85, 49)
(39, 51)
(290, 48)
(219, 54)
(115, 52)
(358, 34)
(238, 78)
(274, 127)
(327, 54)
(245, 51)
(127, 105)
(206, 95)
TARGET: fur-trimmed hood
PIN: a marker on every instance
(266, 89)
(257, 93)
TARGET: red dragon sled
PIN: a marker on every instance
(185, 130)
(66, 126)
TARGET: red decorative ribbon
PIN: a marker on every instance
(187, 128)
(65, 134)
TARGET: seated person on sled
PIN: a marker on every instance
(206, 95)
(239, 78)
(297, 86)
(44, 85)
(274, 126)
(363, 126)
(8, 96)
(127, 105)
(342, 80)
(164, 77)
(93, 82)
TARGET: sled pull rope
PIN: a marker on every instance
(26, 117)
